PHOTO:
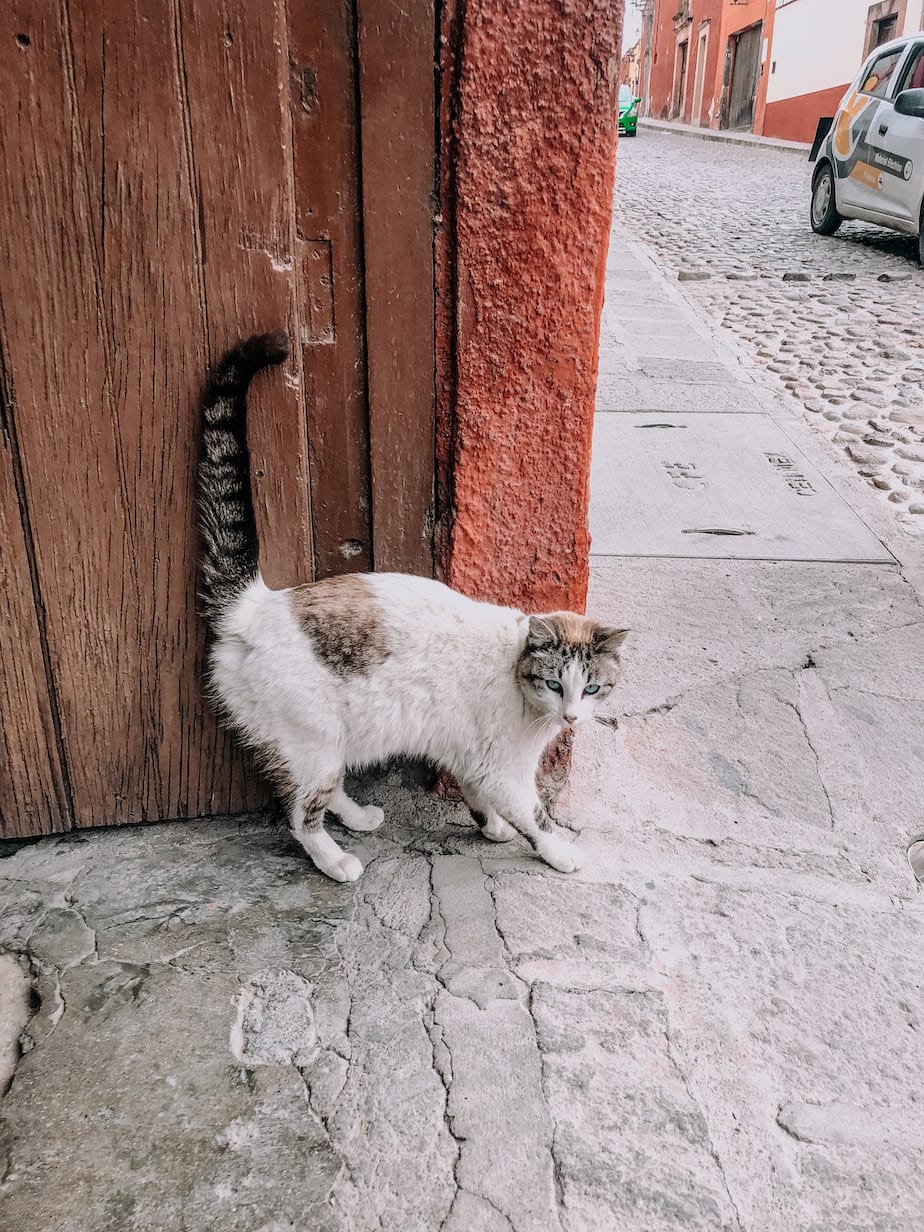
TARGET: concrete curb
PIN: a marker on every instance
(711, 134)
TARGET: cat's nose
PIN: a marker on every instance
(570, 718)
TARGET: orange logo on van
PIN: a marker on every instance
(849, 112)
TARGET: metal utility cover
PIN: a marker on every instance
(664, 485)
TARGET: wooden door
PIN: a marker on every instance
(745, 70)
(176, 176)
(682, 49)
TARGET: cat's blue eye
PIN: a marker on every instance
(554, 685)
(592, 688)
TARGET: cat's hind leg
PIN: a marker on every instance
(359, 817)
(488, 821)
(314, 776)
(306, 821)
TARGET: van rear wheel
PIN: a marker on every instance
(825, 218)
(921, 236)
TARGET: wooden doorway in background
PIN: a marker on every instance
(745, 71)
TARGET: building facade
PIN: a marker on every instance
(705, 61)
(771, 67)
(630, 68)
(817, 47)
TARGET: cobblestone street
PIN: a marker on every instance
(838, 322)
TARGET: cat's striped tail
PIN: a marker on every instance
(228, 549)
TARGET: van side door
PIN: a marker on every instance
(856, 129)
(899, 153)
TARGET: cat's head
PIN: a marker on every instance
(568, 666)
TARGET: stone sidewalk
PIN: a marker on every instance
(836, 325)
(714, 1025)
(728, 136)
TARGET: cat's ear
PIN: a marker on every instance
(607, 640)
(544, 633)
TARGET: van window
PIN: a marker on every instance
(880, 72)
(913, 76)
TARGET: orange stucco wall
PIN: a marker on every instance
(663, 50)
(796, 119)
(528, 135)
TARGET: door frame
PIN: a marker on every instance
(699, 78)
(397, 88)
(681, 65)
(880, 13)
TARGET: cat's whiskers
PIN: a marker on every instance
(543, 720)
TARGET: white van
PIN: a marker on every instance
(869, 159)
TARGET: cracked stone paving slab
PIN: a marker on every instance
(711, 1025)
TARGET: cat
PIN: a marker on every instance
(351, 671)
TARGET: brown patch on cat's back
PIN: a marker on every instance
(342, 620)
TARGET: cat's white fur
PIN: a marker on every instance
(447, 691)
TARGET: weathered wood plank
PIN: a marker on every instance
(59, 360)
(130, 88)
(33, 794)
(237, 81)
(327, 209)
(107, 306)
(396, 55)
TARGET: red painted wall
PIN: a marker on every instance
(663, 49)
(796, 119)
(528, 125)
(710, 10)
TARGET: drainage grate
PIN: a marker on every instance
(730, 486)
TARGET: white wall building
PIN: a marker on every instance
(816, 49)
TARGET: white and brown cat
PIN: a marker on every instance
(351, 671)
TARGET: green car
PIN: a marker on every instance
(628, 112)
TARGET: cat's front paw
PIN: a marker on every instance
(345, 868)
(560, 855)
(329, 857)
